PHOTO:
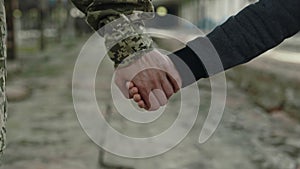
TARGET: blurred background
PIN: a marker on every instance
(260, 128)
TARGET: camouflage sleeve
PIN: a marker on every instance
(124, 36)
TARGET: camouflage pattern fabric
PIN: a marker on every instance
(122, 26)
(125, 40)
(3, 113)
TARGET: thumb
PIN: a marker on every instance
(122, 85)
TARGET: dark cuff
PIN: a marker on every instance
(189, 65)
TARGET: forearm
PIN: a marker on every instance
(121, 24)
(256, 29)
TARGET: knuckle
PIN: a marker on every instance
(143, 88)
(155, 82)
(169, 94)
(155, 108)
(164, 102)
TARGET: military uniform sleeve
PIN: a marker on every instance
(121, 24)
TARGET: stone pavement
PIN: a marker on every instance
(44, 133)
(277, 72)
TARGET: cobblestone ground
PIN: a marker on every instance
(44, 133)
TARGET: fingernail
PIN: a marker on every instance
(127, 85)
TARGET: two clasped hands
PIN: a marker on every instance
(150, 81)
(153, 79)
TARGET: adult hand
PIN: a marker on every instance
(155, 77)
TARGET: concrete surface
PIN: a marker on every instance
(44, 133)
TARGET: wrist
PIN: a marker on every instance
(125, 40)
(189, 64)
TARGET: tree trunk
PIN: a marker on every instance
(42, 9)
(11, 46)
